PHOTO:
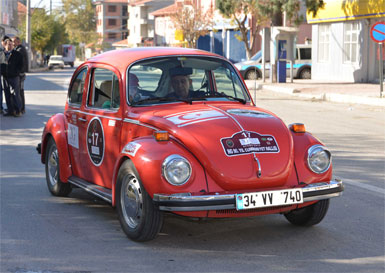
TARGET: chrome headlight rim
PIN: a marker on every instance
(171, 159)
(311, 151)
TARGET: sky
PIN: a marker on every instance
(46, 4)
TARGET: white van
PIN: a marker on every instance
(252, 69)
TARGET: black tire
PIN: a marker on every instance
(309, 216)
(252, 74)
(52, 171)
(305, 74)
(139, 218)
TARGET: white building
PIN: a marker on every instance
(342, 46)
(141, 22)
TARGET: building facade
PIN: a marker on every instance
(342, 46)
(8, 17)
(111, 20)
(142, 23)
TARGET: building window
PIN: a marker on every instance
(351, 42)
(124, 10)
(323, 42)
(111, 8)
(112, 22)
(111, 36)
(124, 23)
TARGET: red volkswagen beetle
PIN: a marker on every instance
(154, 130)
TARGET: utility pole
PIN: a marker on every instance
(28, 32)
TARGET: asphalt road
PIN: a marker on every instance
(42, 233)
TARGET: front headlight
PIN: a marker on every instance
(318, 159)
(176, 169)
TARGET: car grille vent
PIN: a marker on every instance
(234, 211)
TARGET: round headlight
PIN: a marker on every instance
(176, 169)
(318, 159)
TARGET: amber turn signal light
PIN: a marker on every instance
(298, 127)
(161, 136)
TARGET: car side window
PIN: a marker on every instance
(227, 82)
(104, 91)
(77, 87)
(305, 53)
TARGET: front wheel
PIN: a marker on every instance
(310, 215)
(252, 74)
(305, 74)
(52, 171)
(139, 218)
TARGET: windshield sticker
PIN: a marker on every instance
(246, 142)
(131, 148)
(73, 135)
(184, 119)
(95, 141)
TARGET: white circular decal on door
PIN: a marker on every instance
(95, 141)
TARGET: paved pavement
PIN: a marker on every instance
(352, 93)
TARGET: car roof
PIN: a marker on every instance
(122, 58)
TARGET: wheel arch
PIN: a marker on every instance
(56, 129)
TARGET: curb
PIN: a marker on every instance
(331, 97)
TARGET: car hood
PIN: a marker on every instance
(239, 146)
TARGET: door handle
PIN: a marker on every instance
(82, 119)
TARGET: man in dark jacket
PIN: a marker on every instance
(11, 74)
(20, 48)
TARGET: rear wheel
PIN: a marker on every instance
(139, 218)
(305, 74)
(52, 171)
(252, 74)
(310, 215)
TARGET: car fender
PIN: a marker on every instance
(302, 142)
(56, 127)
(147, 155)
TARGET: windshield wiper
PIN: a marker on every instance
(153, 100)
(166, 99)
(219, 95)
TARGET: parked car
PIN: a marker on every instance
(129, 136)
(55, 61)
(252, 69)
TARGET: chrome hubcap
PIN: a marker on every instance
(53, 166)
(131, 201)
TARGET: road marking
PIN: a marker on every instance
(377, 190)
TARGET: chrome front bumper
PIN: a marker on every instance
(187, 202)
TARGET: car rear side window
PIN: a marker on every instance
(104, 91)
(77, 88)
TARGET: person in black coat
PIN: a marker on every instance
(20, 48)
(11, 74)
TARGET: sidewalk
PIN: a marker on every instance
(353, 93)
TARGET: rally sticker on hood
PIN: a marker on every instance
(247, 142)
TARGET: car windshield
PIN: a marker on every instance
(257, 56)
(186, 79)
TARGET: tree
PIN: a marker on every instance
(80, 21)
(41, 30)
(192, 22)
(239, 11)
(275, 8)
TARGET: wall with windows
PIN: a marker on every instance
(344, 51)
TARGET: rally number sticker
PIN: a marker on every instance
(246, 142)
(95, 141)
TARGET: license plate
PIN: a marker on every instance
(268, 199)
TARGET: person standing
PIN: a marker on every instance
(12, 78)
(3, 61)
(20, 48)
